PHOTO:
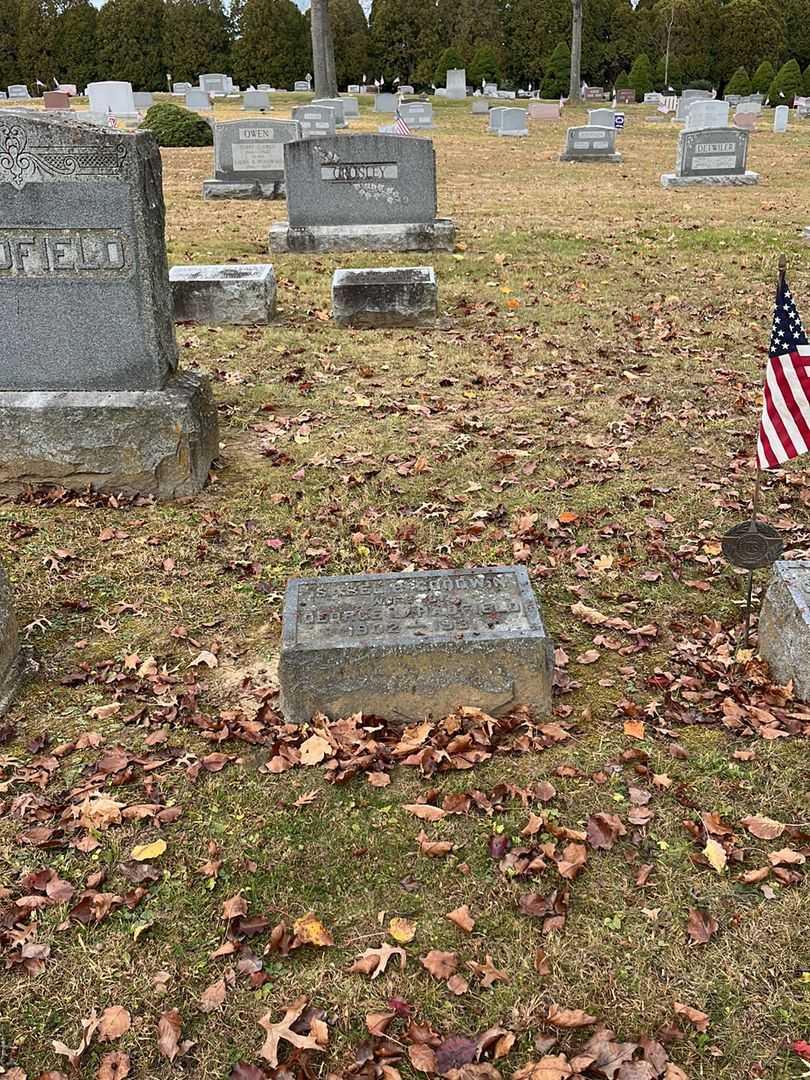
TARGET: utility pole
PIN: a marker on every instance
(323, 50)
(575, 88)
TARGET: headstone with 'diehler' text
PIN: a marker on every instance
(90, 392)
(409, 646)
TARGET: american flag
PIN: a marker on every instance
(784, 430)
(669, 104)
(400, 127)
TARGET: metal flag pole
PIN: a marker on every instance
(754, 545)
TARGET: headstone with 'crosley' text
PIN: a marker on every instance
(361, 193)
(249, 159)
(411, 646)
(90, 394)
(715, 156)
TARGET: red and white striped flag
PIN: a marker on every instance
(400, 127)
(784, 430)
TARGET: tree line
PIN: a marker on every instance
(656, 45)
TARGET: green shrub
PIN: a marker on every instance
(739, 83)
(786, 85)
(762, 78)
(557, 76)
(173, 125)
(699, 84)
(806, 81)
(484, 66)
(622, 82)
(450, 60)
(641, 76)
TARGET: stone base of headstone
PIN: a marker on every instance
(671, 180)
(243, 189)
(11, 663)
(151, 442)
(806, 233)
(407, 646)
(224, 295)
(784, 626)
(658, 118)
(518, 133)
(439, 235)
(593, 159)
(385, 296)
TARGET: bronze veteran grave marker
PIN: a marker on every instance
(407, 646)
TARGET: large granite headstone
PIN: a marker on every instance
(90, 394)
(249, 159)
(407, 646)
(216, 83)
(10, 664)
(592, 144)
(361, 192)
(315, 121)
(712, 156)
(784, 626)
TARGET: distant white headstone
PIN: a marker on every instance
(781, 116)
(456, 83)
(113, 98)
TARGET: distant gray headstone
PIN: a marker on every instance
(337, 105)
(513, 123)
(10, 666)
(353, 88)
(418, 115)
(351, 107)
(707, 114)
(385, 103)
(712, 156)
(784, 626)
(687, 99)
(480, 106)
(215, 83)
(409, 646)
(255, 100)
(180, 89)
(385, 296)
(543, 110)
(592, 144)
(301, 86)
(17, 92)
(143, 101)
(89, 388)
(315, 120)
(361, 192)
(249, 159)
(198, 100)
(456, 83)
(224, 295)
(406, 88)
(653, 98)
(781, 115)
(601, 118)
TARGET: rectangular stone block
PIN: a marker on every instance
(224, 295)
(409, 646)
(385, 296)
(784, 626)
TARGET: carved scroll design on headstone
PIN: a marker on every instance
(367, 188)
(21, 164)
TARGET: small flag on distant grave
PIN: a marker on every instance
(400, 127)
(784, 430)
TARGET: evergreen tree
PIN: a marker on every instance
(272, 44)
(450, 60)
(751, 31)
(75, 56)
(195, 38)
(130, 43)
(739, 83)
(9, 69)
(533, 33)
(641, 76)
(621, 81)
(673, 77)
(762, 78)
(787, 84)
(558, 73)
(484, 66)
(806, 81)
(350, 32)
(35, 26)
(404, 40)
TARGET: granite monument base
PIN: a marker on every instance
(150, 442)
(672, 180)
(385, 296)
(224, 295)
(244, 189)
(11, 663)
(784, 626)
(592, 159)
(438, 235)
(415, 645)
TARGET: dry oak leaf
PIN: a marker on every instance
(425, 812)
(422, 1057)
(550, 1067)
(441, 965)
(588, 614)
(455, 1052)
(113, 1023)
(701, 926)
(99, 812)
(377, 1022)
(569, 1018)
(487, 972)
(764, 828)
(402, 930)
(310, 931)
(786, 857)
(314, 749)
(573, 859)
(113, 1066)
(716, 854)
(483, 1070)
(213, 996)
(457, 985)
(234, 907)
(169, 1027)
(674, 1072)
(461, 917)
(373, 962)
(699, 1020)
(434, 849)
(89, 1027)
(284, 1030)
(604, 830)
